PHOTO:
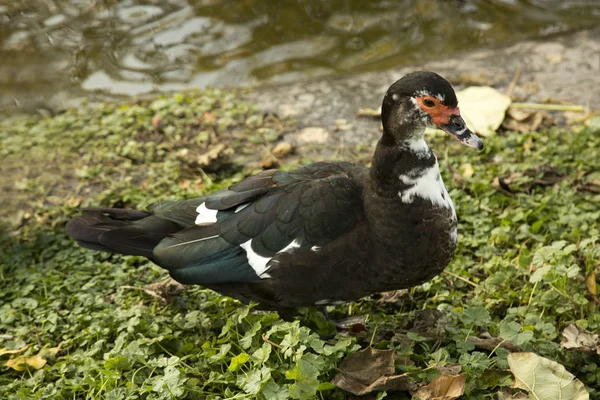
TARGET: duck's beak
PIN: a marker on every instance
(457, 128)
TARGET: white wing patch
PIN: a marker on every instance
(205, 216)
(428, 186)
(259, 263)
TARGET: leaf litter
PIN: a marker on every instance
(371, 370)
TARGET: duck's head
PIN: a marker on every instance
(422, 100)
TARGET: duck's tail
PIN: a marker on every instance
(130, 232)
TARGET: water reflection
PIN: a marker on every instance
(55, 50)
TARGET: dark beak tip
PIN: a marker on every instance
(480, 145)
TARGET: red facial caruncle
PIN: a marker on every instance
(440, 114)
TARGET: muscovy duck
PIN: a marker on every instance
(325, 233)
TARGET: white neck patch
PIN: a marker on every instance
(418, 147)
(428, 186)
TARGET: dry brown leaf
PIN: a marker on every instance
(208, 117)
(313, 135)
(282, 149)
(501, 184)
(157, 121)
(370, 370)
(488, 342)
(269, 161)
(167, 288)
(352, 324)
(511, 396)
(578, 339)
(369, 112)
(444, 387)
(392, 296)
(449, 369)
(522, 121)
(218, 151)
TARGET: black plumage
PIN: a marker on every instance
(325, 232)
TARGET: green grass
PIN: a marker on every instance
(526, 248)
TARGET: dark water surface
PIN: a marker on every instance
(56, 51)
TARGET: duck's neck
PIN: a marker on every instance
(394, 159)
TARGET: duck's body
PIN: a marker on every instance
(324, 233)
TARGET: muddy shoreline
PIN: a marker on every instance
(561, 69)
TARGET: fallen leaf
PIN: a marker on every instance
(167, 288)
(449, 369)
(20, 363)
(578, 339)
(313, 135)
(488, 342)
(511, 396)
(467, 170)
(341, 125)
(7, 351)
(483, 108)
(369, 112)
(545, 379)
(590, 283)
(37, 361)
(444, 387)
(208, 117)
(157, 121)
(269, 161)
(392, 296)
(351, 324)
(282, 149)
(501, 184)
(519, 120)
(430, 324)
(371, 370)
(219, 151)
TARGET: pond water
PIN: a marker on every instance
(53, 52)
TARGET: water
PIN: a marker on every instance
(53, 52)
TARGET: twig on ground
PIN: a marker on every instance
(550, 107)
(150, 292)
(269, 341)
(465, 280)
(514, 80)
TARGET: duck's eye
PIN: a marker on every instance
(428, 103)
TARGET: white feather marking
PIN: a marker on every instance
(454, 235)
(316, 249)
(241, 207)
(193, 241)
(327, 302)
(428, 186)
(259, 263)
(423, 93)
(418, 146)
(205, 216)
